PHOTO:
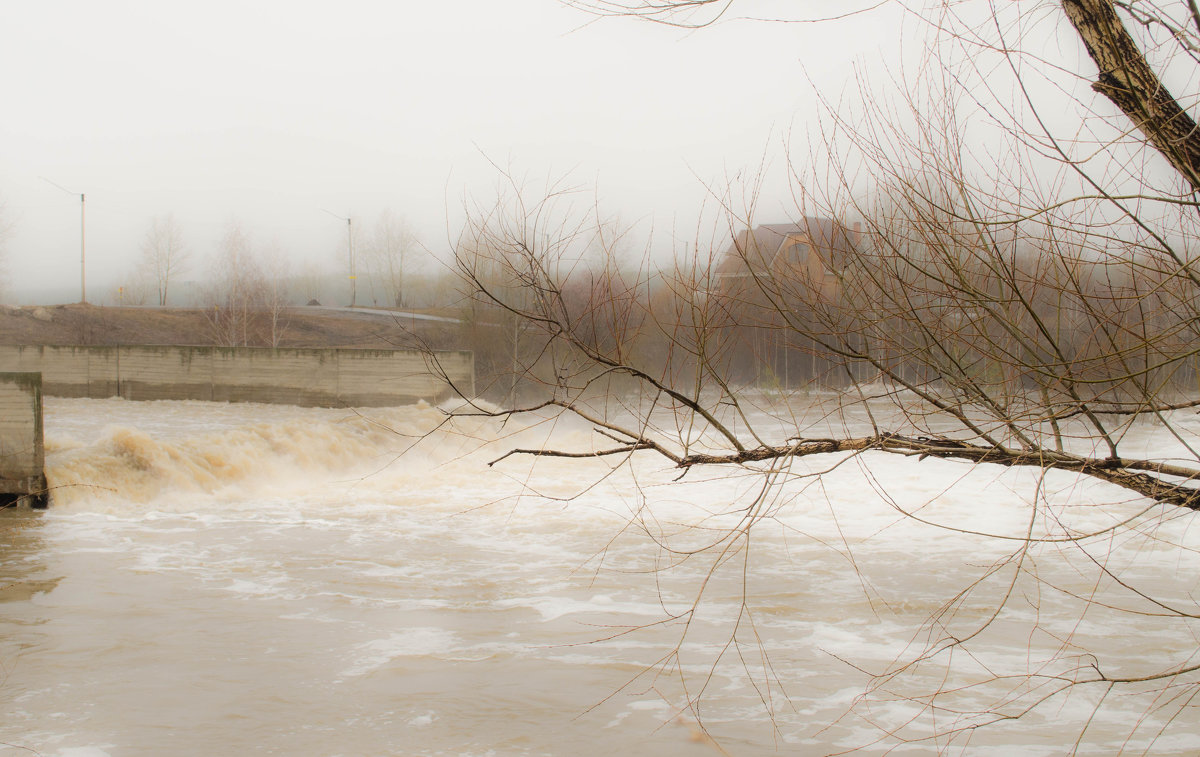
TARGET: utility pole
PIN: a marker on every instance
(350, 254)
(82, 249)
(82, 238)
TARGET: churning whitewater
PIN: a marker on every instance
(234, 579)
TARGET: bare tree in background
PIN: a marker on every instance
(6, 232)
(133, 292)
(1012, 292)
(388, 257)
(500, 277)
(164, 254)
(236, 292)
(312, 281)
(276, 298)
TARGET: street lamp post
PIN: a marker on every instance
(82, 238)
(350, 254)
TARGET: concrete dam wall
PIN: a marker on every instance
(22, 455)
(308, 377)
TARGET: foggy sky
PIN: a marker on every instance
(269, 113)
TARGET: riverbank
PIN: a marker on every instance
(301, 327)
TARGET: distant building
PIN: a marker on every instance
(779, 288)
(812, 252)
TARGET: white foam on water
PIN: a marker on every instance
(423, 721)
(325, 567)
(555, 607)
(411, 642)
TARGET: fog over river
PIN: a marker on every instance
(248, 579)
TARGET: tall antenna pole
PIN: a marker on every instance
(353, 276)
(82, 237)
(82, 248)
(349, 254)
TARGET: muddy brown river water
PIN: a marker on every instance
(221, 579)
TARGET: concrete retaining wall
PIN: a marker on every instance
(22, 456)
(329, 378)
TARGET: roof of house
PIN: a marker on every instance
(759, 247)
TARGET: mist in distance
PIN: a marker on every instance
(277, 117)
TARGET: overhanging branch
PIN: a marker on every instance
(1134, 475)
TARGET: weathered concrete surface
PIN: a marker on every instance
(308, 377)
(22, 456)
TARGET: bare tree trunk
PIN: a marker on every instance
(1126, 78)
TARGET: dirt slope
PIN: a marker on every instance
(303, 327)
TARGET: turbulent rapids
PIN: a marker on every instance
(241, 578)
(165, 457)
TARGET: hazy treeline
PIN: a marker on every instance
(247, 287)
(1014, 312)
(389, 263)
(885, 289)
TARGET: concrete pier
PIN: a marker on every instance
(22, 455)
